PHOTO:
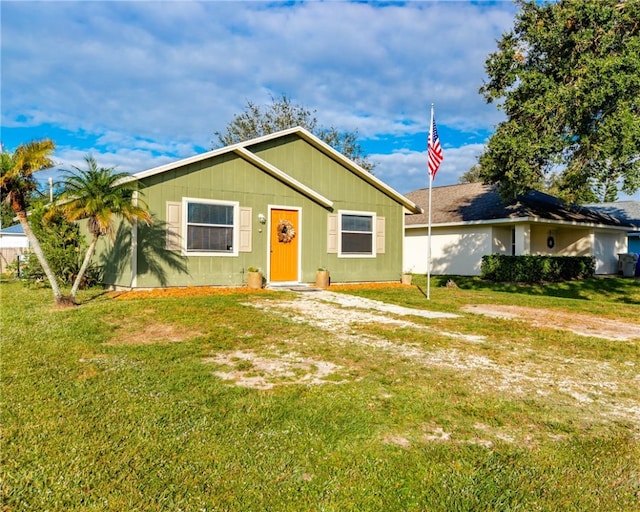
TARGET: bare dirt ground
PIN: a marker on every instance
(584, 325)
(602, 389)
(152, 333)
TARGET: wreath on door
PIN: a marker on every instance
(286, 231)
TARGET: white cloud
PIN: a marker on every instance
(175, 72)
(140, 84)
(407, 170)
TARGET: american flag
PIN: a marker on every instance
(434, 151)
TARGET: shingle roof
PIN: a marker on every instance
(473, 202)
(626, 211)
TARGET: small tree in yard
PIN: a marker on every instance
(17, 184)
(98, 195)
(60, 240)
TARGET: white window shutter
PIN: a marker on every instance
(174, 225)
(380, 235)
(244, 229)
(332, 233)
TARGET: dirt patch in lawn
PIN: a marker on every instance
(153, 332)
(336, 312)
(581, 324)
(606, 390)
(250, 370)
(595, 388)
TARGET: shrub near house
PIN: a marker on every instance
(536, 269)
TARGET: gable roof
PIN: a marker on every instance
(243, 149)
(479, 203)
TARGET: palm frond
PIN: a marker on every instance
(100, 194)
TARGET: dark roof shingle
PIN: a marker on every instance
(473, 202)
(626, 211)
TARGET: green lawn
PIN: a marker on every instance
(120, 405)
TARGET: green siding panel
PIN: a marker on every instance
(229, 177)
(305, 163)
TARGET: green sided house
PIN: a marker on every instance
(286, 203)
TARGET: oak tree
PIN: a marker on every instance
(256, 121)
(568, 78)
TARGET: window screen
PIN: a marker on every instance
(357, 234)
(209, 227)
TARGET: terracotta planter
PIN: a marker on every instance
(322, 279)
(254, 280)
(405, 279)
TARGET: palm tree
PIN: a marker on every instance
(17, 183)
(98, 195)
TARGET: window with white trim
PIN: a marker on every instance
(211, 226)
(357, 235)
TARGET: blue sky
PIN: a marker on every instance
(141, 83)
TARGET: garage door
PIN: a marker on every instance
(606, 249)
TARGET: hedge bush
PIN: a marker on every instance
(536, 269)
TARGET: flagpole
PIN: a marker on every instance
(429, 244)
(429, 228)
(434, 158)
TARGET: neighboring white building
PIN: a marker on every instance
(469, 221)
(626, 211)
(13, 242)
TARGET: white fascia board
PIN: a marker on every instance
(203, 156)
(575, 223)
(468, 223)
(518, 220)
(282, 176)
(174, 165)
(356, 169)
(304, 134)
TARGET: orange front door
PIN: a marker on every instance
(284, 245)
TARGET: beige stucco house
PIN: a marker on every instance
(469, 221)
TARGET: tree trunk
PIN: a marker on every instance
(83, 268)
(37, 250)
